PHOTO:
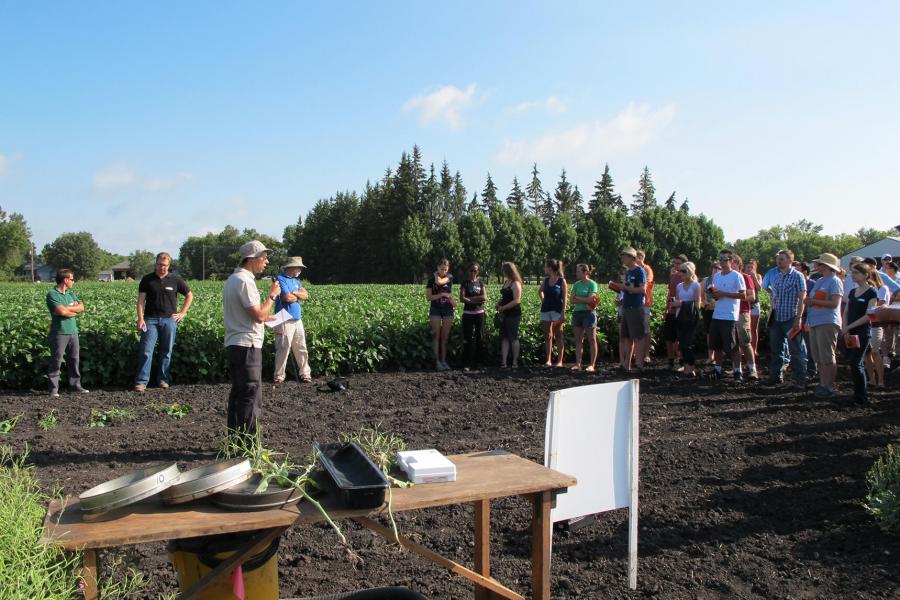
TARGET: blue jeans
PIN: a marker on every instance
(778, 334)
(162, 329)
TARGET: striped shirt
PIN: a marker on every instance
(786, 288)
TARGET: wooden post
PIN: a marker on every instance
(89, 574)
(540, 545)
(633, 471)
(482, 545)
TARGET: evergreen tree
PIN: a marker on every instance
(445, 193)
(562, 237)
(685, 208)
(577, 203)
(670, 201)
(645, 198)
(535, 194)
(516, 198)
(447, 244)
(489, 194)
(474, 207)
(509, 238)
(563, 195)
(548, 212)
(418, 177)
(433, 213)
(457, 198)
(605, 193)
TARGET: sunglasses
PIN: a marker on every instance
(724, 259)
(682, 270)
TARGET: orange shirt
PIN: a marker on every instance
(648, 293)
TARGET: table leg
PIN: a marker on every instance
(540, 545)
(482, 545)
(89, 574)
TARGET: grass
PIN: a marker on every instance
(106, 418)
(177, 410)
(29, 569)
(8, 425)
(49, 421)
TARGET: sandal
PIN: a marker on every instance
(306, 379)
(589, 369)
(576, 368)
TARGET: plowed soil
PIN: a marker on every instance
(746, 491)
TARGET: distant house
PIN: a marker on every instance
(889, 245)
(105, 276)
(42, 271)
(122, 270)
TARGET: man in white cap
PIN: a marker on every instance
(244, 317)
(290, 338)
(824, 320)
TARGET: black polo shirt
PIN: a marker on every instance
(162, 294)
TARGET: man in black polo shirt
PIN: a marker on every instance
(158, 317)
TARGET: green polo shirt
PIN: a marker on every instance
(61, 325)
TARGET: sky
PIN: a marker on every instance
(145, 123)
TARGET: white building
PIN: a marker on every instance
(889, 245)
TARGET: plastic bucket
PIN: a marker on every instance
(195, 557)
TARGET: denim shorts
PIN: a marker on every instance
(584, 319)
(550, 315)
(443, 312)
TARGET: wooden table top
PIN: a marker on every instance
(479, 476)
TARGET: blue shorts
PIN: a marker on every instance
(443, 312)
(584, 319)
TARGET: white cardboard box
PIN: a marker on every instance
(426, 466)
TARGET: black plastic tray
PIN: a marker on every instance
(360, 483)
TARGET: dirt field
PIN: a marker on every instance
(746, 491)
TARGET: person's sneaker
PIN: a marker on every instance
(824, 392)
(79, 390)
(54, 394)
(440, 366)
(773, 381)
(447, 366)
(798, 386)
(714, 375)
(754, 375)
(163, 385)
(140, 388)
(738, 376)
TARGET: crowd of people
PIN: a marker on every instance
(817, 312)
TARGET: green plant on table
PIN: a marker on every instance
(105, 418)
(49, 421)
(382, 447)
(883, 498)
(177, 410)
(8, 425)
(275, 467)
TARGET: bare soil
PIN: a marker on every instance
(746, 491)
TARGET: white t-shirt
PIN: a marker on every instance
(884, 294)
(687, 295)
(733, 283)
(241, 329)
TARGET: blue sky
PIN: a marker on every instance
(145, 123)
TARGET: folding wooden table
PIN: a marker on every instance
(481, 477)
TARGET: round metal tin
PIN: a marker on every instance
(207, 480)
(243, 496)
(128, 489)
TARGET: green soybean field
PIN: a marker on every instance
(349, 328)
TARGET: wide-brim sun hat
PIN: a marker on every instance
(629, 251)
(829, 260)
(253, 249)
(294, 261)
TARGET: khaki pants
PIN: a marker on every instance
(291, 338)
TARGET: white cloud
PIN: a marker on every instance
(446, 103)
(551, 104)
(121, 176)
(592, 142)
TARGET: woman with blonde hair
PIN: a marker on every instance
(510, 307)
(686, 306)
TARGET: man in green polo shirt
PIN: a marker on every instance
(64, 306)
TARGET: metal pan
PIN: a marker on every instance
(128, 489)
(243, 497)
(207, 480)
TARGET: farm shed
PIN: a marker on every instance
(888, 245)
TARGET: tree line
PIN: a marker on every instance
(396, 230)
